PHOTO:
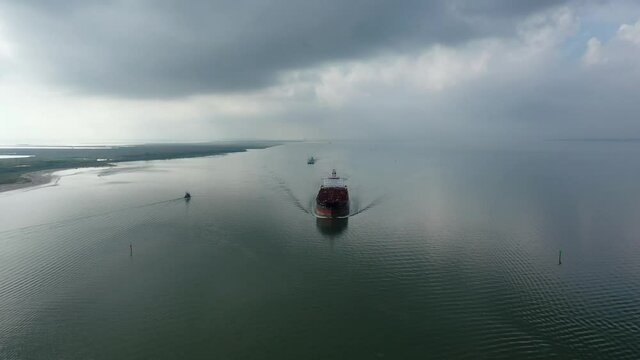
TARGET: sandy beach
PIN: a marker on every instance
(46, 161)
(32, 179)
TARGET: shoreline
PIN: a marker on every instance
(32, 179)
(46, 176)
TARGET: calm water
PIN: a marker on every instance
(450, 254)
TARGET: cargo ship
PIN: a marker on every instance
(333, 198)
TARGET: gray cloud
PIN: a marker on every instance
(176, 48)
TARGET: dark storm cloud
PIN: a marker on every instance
(175, 48)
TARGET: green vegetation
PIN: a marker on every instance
(13, 170)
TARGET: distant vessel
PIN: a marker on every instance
(187, 195)
(333, 197)
(311, 160)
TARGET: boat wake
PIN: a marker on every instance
(295, 200)
(377, 201)
(282, 185)
(71, 220)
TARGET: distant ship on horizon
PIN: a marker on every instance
(311, 160)
(332, 200)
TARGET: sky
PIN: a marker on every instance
(88, 71)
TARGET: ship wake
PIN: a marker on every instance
(377, 201)
(282, 185)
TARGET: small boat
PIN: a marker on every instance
(333, 197)
(187, 195)
(311, 160)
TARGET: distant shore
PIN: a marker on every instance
(34, 166)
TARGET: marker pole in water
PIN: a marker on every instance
(560, 258)
(130, 249)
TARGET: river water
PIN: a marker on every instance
(449, 253)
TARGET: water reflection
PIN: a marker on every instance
(332, 227)
(67, 245)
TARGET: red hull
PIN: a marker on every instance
(333, 198)
(332, 211)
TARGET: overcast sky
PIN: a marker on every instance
(88, 71)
